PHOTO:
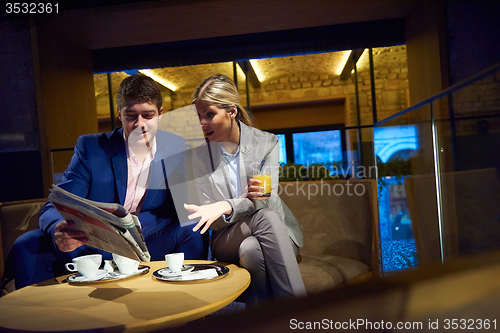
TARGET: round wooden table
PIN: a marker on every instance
(139, 303)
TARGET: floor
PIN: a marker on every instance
(231, 308)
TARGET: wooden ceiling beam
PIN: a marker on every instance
(247, 68)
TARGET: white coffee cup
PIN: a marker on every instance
(85, 265)
(125, 265)
(175, 261)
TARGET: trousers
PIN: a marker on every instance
(260, 244)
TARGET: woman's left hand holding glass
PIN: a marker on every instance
(208, 213)
(254, 190)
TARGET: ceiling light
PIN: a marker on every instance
(363, 61)
(258, 71)
(240, 72)
(157, 78)
(343, 58)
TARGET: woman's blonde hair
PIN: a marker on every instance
(220, 90)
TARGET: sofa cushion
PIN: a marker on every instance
(321, 272)
(337, 217)
(316, 278)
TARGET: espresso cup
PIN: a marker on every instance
(125, 265)
(175, 261)
(85, 265)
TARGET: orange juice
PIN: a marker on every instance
(266, 184)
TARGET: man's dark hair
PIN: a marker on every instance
(138, 87)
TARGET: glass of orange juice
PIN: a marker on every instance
(266, 184)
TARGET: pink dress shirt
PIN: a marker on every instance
(138, 178)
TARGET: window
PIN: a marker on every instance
(309, 146)
(323, 147)
(395, 141)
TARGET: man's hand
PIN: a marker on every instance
(67, 237)
(208, 213)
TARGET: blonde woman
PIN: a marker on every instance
(258, 233)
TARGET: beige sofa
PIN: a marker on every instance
(340, 229)
(340, 226)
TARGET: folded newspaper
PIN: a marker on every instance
(108, 226)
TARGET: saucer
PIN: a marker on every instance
(200, 273)
(116, 273)
(106, 276)
(80, 278)
(168, 273)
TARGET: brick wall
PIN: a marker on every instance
(391, 87)
(299, 83)
(481, 98)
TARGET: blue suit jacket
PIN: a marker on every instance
(98, 171)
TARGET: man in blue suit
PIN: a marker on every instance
(129, 166)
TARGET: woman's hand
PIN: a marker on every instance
(208, 213)
(254, 190)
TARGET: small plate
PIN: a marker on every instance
(80, 278)
(108, 277)
(196, 278)
(116, 275)
(166, 272)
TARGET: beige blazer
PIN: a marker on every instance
(213, 186)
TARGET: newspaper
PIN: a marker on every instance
(108, 226)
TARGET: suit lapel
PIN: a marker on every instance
(157, 182)
(248, 150)
(247, 161)
(119, 162)
(218, 177)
